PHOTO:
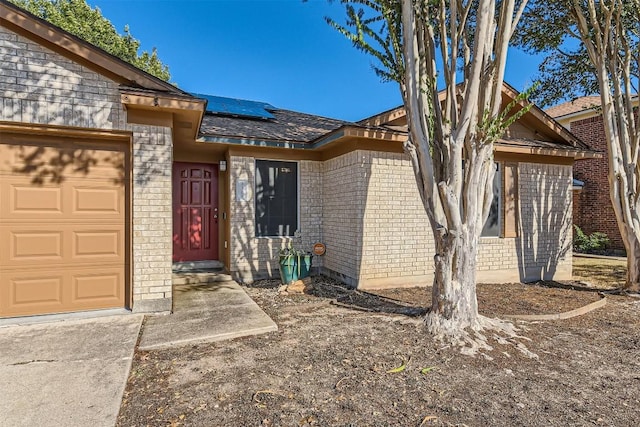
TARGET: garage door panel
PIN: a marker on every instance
(107, 244)
(28, 292)
(96, 287)
(98, 201)
(62, 227)
(27, 199)
(71, 200)
(31, 245)
(57, 244)
(36, 246)
(32, 292)
(50, 161)
(20, 200)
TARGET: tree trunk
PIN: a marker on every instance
(454, 302)
(632, 244)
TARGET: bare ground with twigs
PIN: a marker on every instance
(333, 365)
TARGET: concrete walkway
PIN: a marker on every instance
(72, 372)
(66, 373)
(206, 313)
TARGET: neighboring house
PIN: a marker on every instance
(592, 209)
(108, 176)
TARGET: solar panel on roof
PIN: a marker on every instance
(237, 107)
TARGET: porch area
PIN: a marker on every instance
(208, 306)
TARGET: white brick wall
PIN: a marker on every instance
(377, 232)
(257, 257)
(545, 235)
(152, 218)
(397, 239)
(40, 86)
(343, 198)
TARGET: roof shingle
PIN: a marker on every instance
(578, 104)
(288, 126)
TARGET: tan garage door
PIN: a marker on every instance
(62, 225)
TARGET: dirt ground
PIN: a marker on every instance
(331, 363)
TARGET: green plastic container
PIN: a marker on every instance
(288, 269)
(305, 265)
(295, 267)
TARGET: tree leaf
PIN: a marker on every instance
(399, 368)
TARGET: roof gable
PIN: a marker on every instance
(534, 125)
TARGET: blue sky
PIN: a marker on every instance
(278, 51)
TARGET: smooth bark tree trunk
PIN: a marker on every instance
(611, 45)
(632, 245)
(454, 301)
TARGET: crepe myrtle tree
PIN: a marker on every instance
(601, 38)
(451, 131)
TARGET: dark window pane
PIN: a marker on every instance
(492, 226)
(276, 198)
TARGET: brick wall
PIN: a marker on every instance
(397, 240)
(152, 218)
(40, 86)
(257, 257)
(374, 195)
(544, 242)
(343, 193)
(592, 210)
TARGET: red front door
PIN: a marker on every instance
(195, 212)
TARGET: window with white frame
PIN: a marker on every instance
(492, 226)
(276, 195)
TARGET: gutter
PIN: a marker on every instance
(254, 142)
(328, 138)
(577, 115)
(355, 131)
(575, 153)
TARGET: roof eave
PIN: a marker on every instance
(328, 139)
(355, 131)
(185, 114)
(254, 142)
(577, 154)
(581, 114)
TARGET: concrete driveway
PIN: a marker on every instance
(66, 373)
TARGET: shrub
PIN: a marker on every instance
(595, 242)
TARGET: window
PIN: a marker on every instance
(276, 198)
(492, 226)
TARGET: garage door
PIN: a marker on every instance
(62, 225)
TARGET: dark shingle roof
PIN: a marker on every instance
(287, 126)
